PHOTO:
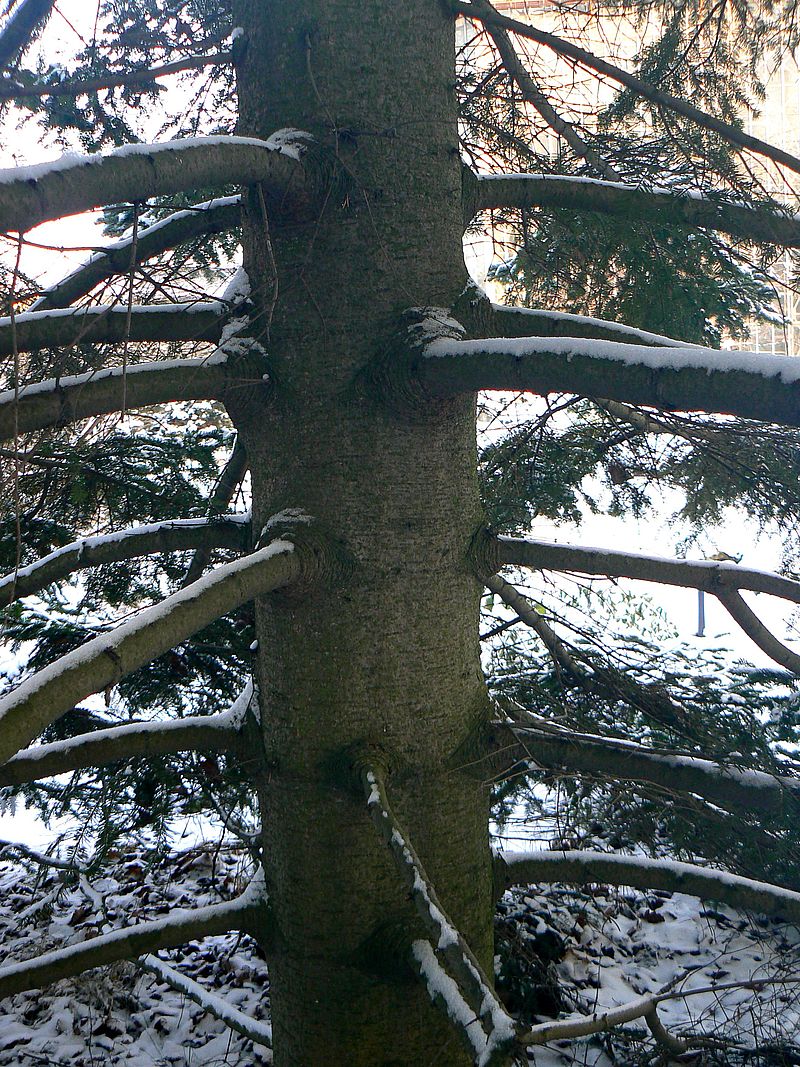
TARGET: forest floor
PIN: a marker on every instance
(560, 949)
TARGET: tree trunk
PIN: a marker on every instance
(388, 655)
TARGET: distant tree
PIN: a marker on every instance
(339, 372)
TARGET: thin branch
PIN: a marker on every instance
(83, 86)
(58, 402)
(106, 323)
(534, 95)
(101, 662)
(524, 191)
(758, 632)
(483, 12)
(525, 868)
(751, 385)
(527, 613)
(31, 195)
(229, 481)
(260, 1033)
(474, 987)
(39, 857)
(514, 748)
(213, 216)
(173, 535)
(180, 926)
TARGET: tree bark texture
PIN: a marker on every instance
(385, 653)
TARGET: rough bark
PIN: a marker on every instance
(395, 655)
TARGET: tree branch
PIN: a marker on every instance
(711, 576)
(213, 216)
(136, 172)
(483, 12)
(534, 95)
(81, 87)
(260, 1033)
(211, 733)
(229, 481)
(751, 385)
(758, 632)
(527, 613)
(175, 535)
(109, 323)
(512, 748)
(182, 925)
(525, 191)
(58, 402)
(524, 868)
(473, 985)
(21, 28)
(101, 662)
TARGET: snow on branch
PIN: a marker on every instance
(108, 323)
(212, 216)
(179, 926)
(514, 748)
(678, 207)
(101, 662)
(709, 575)
(260, 1033)
(211, 733)
(60, 401)
(485, 13)
(721, 579)
(473, 987)
(174, 535)
(753, 385)
(34, 194)
(526, 868)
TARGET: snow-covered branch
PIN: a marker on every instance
(474, 988)
(108, 323)
(527, 868)
(174, 535)
(60, 401)
(720, 578)
(260, 1033)
(709, 575)
(213, 216)
(664, 205)
(513, 748)
(133, 941)
(212, 733)
(734, 134)
(752, 385)
(101, 662)
(136, 172)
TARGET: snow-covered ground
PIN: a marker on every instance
(600, 946)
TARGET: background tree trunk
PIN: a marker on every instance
(388, 656)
